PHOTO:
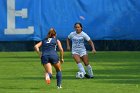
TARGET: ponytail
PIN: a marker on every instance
(51, 33)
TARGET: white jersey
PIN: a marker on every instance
(78, 41)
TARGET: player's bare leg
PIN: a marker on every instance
(48, 72)
(79, 64)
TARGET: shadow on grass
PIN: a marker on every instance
(115, 76)
(117, 79)
(97, 79)
(118, 76)
(119, 71)
(12, 87)
(121, 76)
(23, 78)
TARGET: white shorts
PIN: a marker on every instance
(80, 53)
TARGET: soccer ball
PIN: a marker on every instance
(79, 75)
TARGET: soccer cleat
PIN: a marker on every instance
(59, 87)
(87, 76)
(92, 77)
(47, 78)
(90, 72)
(48, 81)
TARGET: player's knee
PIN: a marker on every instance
(58, 68)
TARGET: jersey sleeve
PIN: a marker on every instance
(70, 35)
(56, 39)
(43, 40)
(86, 37)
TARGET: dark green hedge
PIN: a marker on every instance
(101, 45)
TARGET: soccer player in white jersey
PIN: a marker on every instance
(79, 50)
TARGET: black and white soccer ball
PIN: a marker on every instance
(79, 75)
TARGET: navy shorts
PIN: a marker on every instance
(53, 59)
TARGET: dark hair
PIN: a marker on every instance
(78, 24)
(51, 33)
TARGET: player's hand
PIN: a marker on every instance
(61, 61)
(94, 51)
(68, 47)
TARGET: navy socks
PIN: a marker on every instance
(59, 78)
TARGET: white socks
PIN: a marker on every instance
(89, 69)
(81, 68)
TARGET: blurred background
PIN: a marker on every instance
(113, 25)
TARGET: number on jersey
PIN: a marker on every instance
(49, 40)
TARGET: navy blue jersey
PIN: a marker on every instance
(49, 54)
(49, 46)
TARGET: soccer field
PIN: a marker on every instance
(115, 72)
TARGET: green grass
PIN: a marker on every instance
(115, 72)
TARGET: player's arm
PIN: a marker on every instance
(87, 38)
(37, 48)
(61, 51)
(68, 43)
(92, 46)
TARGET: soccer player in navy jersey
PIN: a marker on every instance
(50, 57)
